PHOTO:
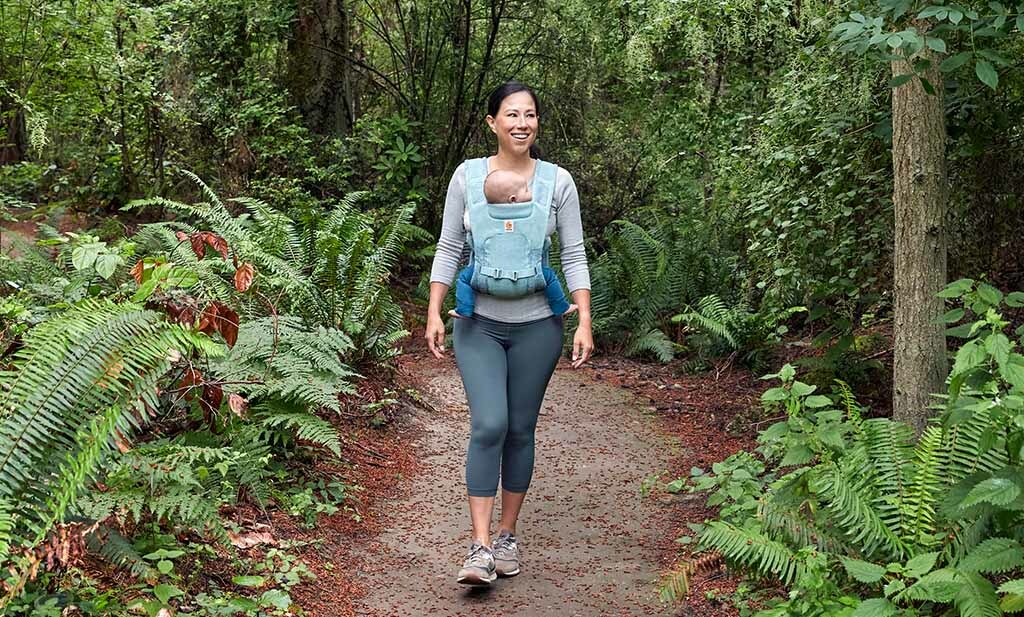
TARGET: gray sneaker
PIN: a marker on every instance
(478, 568)
(506, 554)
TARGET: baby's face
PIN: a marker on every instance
(506, 187)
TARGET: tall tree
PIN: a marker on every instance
(920, 195)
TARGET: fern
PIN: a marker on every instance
(97, 356)
(753, 550)
(655, 342)
(306, 426)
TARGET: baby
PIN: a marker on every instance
(507, 187)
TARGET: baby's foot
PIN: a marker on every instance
(452, 313)
(572, 309)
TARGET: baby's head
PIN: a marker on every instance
(506, 187)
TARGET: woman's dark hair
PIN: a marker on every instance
(503, 91)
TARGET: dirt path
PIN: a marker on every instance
(589, 543)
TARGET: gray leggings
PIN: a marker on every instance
(505, 369)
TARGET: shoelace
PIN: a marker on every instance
(505, 542)
(477, 555)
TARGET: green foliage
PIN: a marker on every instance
(925, 522)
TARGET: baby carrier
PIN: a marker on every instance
(508, 242)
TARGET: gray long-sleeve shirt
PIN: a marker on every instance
(565, 216)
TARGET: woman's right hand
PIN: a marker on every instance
(435, 334)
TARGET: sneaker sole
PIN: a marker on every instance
(504, 574)
(476, 580)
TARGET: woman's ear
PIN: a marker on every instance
(490, 123)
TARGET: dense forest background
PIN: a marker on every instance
(236, 199)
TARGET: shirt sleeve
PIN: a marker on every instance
(450, 244)
(570, 233)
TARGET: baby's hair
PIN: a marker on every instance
(500, 183)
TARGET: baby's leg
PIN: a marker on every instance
(465, 295)
(556, 297)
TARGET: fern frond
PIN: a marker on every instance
(752, 550)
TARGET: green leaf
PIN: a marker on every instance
(996, 491)
(976, 597)
(986, 73)
(920, 565)
(166, 592)
(875, 607)
(276, 598)
(774, 394)
(799, 388)
(107, 263)
(1015, 299)
(952, 63)
(1012, 603)
(998, 346)
(987, 292)
(953, 316)
(248, 581)
(787, 372)
(164, 566)
(1014, 586)
(936, 44)
(894, 40)
(862, 570)
(1013, 371)
(993, 556)
(961, 286)
(899, 80)
(1020, 21)
(817, 400)
(84, 255)
(969, 356)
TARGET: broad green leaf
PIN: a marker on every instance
(1012, 603)
(164, 566)
(987, 292)
(276, 598)
(970, 355)
(998, 346)
(920, 565)
(166, 592)
(1015, 299)
(993, 556)
(787, 372)
(84, 255)
(1013, 371)
(774, 394)
(986, 73)
(862, 570)
(107, 263)
(899, 80)
(800, 388)
(248, 581)
(952, 63)
(961, 286)
(953, 316)
(1014, 586)
(876, 607)
(936, 44)
(996, 491)
(817, 400)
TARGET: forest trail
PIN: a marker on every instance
(589, 540)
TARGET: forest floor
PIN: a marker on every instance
(592, 543)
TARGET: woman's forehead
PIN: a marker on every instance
(518, 101)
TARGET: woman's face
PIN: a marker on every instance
(516, 123)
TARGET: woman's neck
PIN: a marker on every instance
(519, 163)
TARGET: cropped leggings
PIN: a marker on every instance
(505, 370)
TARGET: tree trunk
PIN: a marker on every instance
(919, 198)
(322, 82)
(13, 136)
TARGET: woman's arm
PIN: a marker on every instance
(446, 259)
(574, 264)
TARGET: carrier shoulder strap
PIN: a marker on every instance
(476, 173)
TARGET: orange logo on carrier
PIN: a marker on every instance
(510, 226)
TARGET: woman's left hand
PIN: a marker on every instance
(582, 345)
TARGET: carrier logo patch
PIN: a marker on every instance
(510, 226)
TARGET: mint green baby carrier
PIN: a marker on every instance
(509, 243)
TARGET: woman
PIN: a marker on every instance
(507, 351)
